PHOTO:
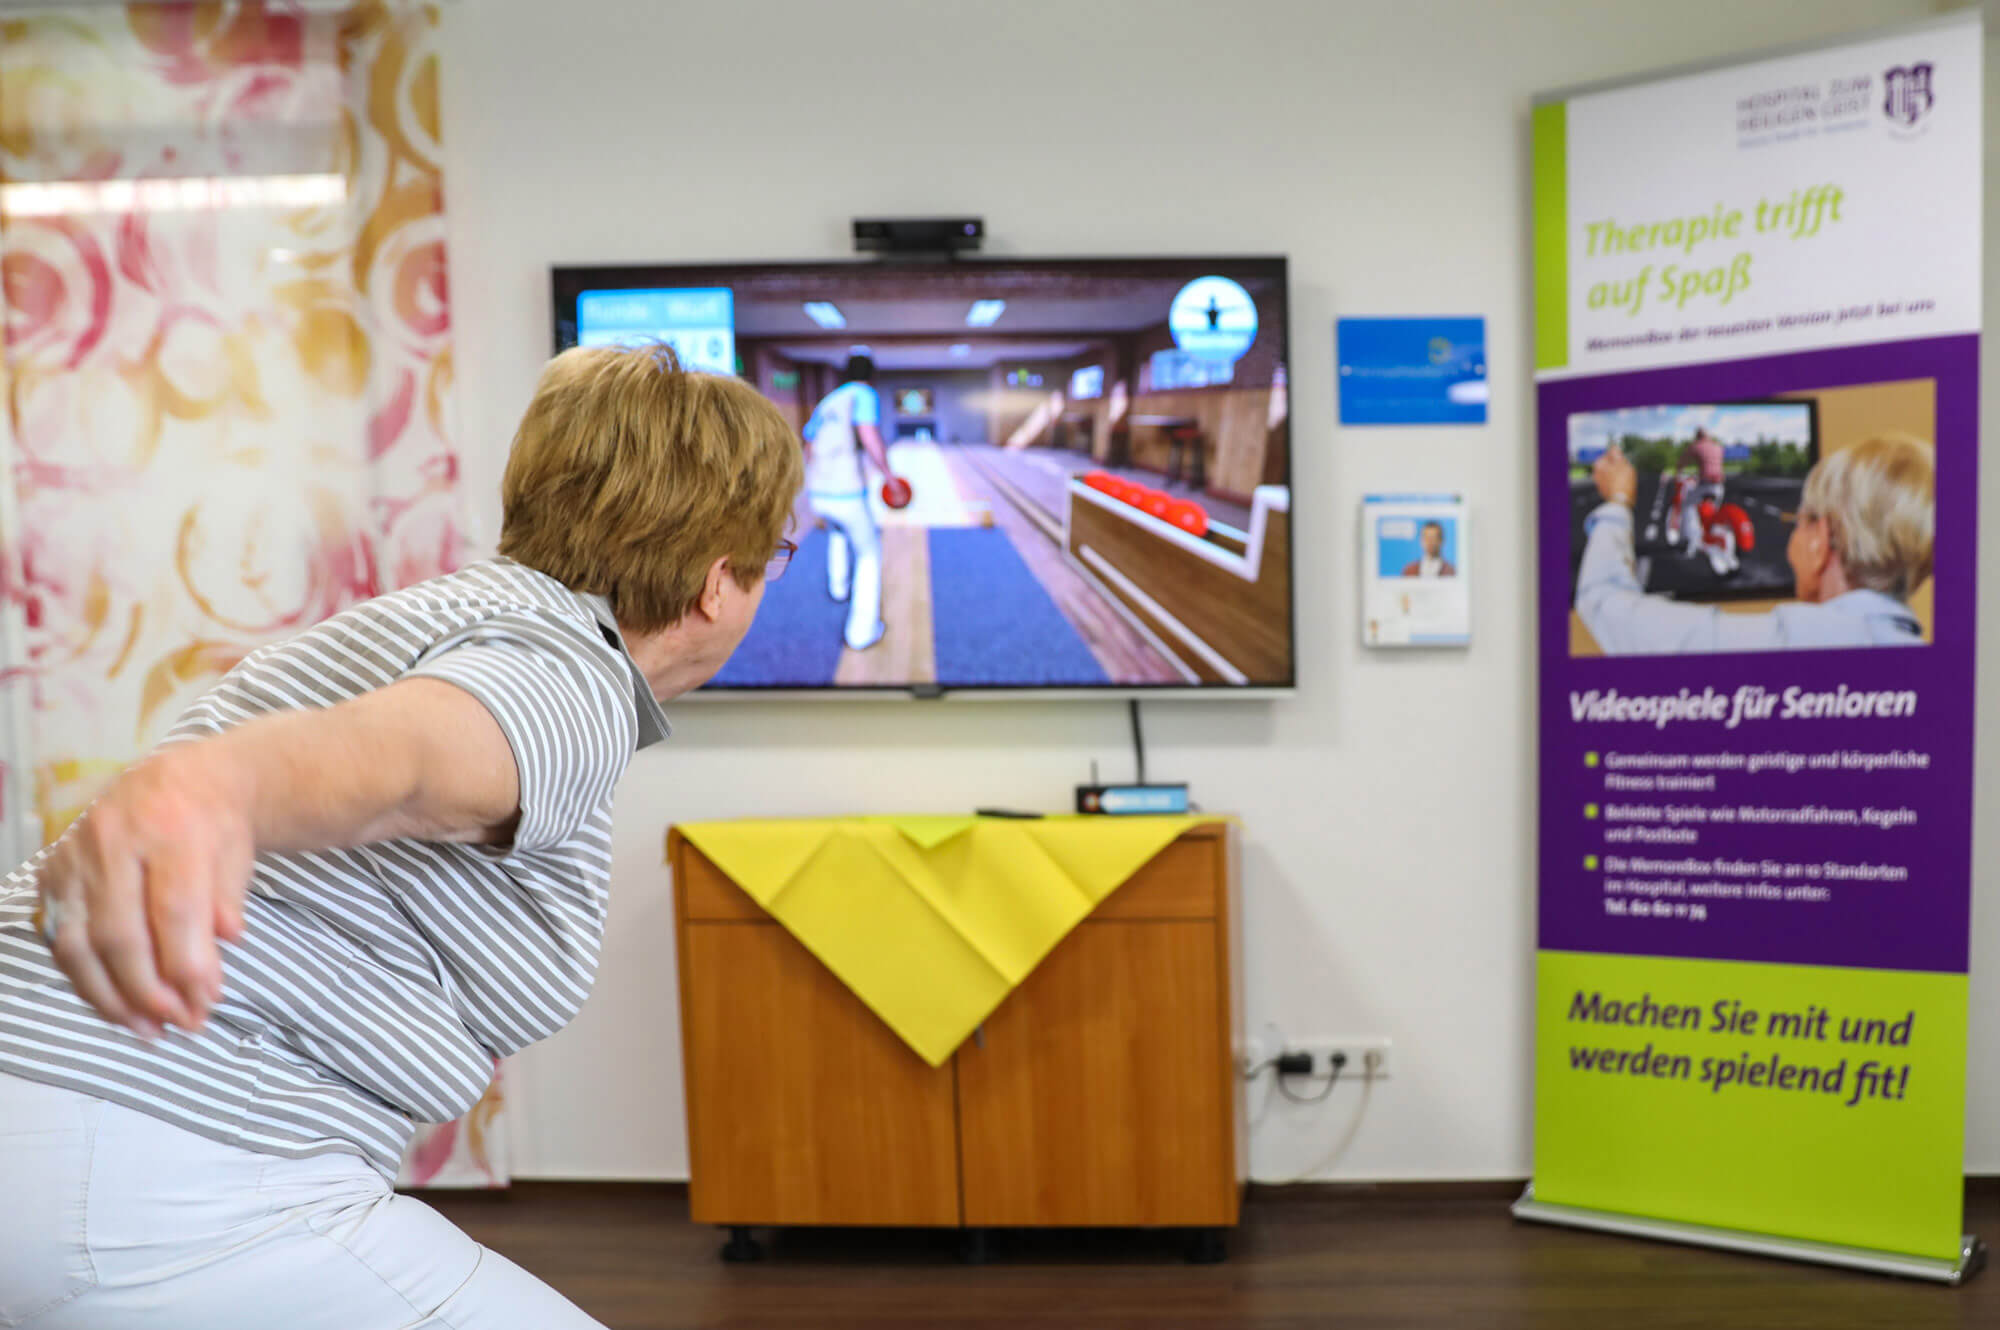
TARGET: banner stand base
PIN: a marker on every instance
(1971, 1259)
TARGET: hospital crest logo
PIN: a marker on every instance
(1907, 94)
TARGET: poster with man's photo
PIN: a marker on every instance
(1416, 576)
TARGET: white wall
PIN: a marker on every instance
(1382, 146)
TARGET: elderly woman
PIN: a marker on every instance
(1860, 545)
(366, 864)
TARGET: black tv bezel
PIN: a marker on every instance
(569, 281)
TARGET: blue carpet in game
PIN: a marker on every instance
(993, 623)
(795, 642)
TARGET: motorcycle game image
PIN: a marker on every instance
(1718, 491)
(1701, 527)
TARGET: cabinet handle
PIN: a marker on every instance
(979, 1036)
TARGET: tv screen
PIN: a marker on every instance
(1719, 488)
(1096, 454)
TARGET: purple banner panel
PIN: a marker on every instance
(1758, 663)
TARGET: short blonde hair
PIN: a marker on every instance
(630, 476)
(1879, 499)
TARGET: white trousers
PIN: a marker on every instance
(854, 563)
(110, 1219)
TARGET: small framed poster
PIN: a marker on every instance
(1416, 579)
(1411, 371)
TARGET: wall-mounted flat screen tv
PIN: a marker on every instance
(1100, 480)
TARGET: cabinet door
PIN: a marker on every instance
(803, 1107)
(1101, 1094)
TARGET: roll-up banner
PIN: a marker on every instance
(1757, 359)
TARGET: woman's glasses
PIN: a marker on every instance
(781, 560)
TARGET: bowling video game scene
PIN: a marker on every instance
(1019, 475)
(1719, 486)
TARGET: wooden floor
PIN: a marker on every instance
(1348, 1259)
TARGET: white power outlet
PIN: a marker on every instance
(1255, 1052)
(1367, 1056)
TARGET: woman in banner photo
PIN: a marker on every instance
(366, 863)
(846, 424)
(1860, 544)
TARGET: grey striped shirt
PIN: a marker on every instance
(375, 987)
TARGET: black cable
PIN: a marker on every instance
(1138, 742)
(1286, 1091)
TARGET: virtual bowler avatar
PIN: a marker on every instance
(846, 423)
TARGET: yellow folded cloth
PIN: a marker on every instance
(932, 921)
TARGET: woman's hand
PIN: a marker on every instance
(142, 886)
(1617, 479)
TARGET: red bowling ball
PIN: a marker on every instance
(1190, 517)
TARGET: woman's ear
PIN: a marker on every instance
(1828, 549)
(1822, 552)
(714, 588)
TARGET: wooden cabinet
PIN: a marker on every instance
(1101, 1092)
(1096, 1098)
(812, 1111)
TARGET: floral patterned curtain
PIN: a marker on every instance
(228, 369)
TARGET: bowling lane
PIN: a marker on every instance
(796, 640)
(907, 653)
(1124, 654)
(936, 500)
(997, 624)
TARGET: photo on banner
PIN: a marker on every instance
(1757, 383)
(1736, 541)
